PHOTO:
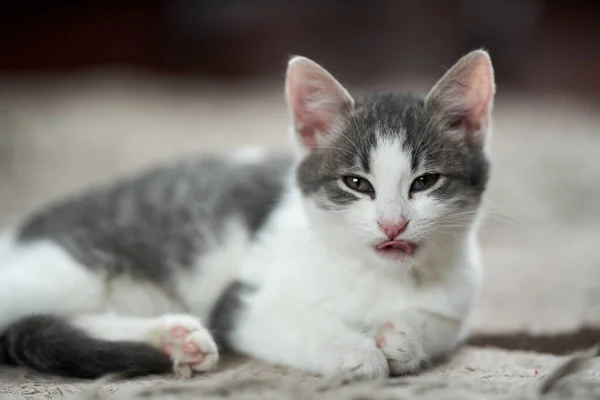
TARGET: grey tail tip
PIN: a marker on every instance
(51, 345)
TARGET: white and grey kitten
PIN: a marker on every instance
(359, 255)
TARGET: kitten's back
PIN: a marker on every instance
(163, 219)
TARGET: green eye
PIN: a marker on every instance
(358, 184)
(424, 182)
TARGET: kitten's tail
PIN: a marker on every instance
(51, 345)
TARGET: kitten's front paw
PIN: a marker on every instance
(403, 352)
(367, 362)
(186, 341)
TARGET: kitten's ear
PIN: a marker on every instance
(319, 105)
(465, 94)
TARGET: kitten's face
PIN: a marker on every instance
(395, 165)
(390, 175)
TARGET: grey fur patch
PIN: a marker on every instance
(435, 142)
(320, 172)
(161, 221)
(226, 312)
(51, 345)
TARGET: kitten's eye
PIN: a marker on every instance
(424, 182)
(357, 184)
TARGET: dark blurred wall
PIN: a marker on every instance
(536, 45)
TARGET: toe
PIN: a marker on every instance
(205, 363)
(190, 348)
(199, 359)
(179, 331)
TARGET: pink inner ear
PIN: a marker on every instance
(309, 123)
(317, 102)
(308, 134)
(479, 97)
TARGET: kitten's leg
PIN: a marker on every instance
(415, 337)
(41, 278)
(307, 340)
(183, 337)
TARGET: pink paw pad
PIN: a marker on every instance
(176, 346)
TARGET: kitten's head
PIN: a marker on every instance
(389, 175)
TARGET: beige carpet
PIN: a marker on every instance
(471, 374)
(541, 236)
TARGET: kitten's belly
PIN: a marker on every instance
(195, 291)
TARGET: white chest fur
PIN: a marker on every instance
(294, 268)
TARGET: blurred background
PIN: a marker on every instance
(94, 90)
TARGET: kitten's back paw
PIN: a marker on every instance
(186, 341)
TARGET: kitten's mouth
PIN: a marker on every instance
(396, 249)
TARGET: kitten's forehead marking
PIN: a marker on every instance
(392, 115)
(391, 165)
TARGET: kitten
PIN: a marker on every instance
(358, 256)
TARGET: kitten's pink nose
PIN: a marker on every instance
(392, 230)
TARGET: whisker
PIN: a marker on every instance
(432, 117)
(358, 152)
(495, 210)
(451, 234)
(360, 134)
(429, 148)
(483, 230)
(436, 248)
(436, 151)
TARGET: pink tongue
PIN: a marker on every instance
(396, 244)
